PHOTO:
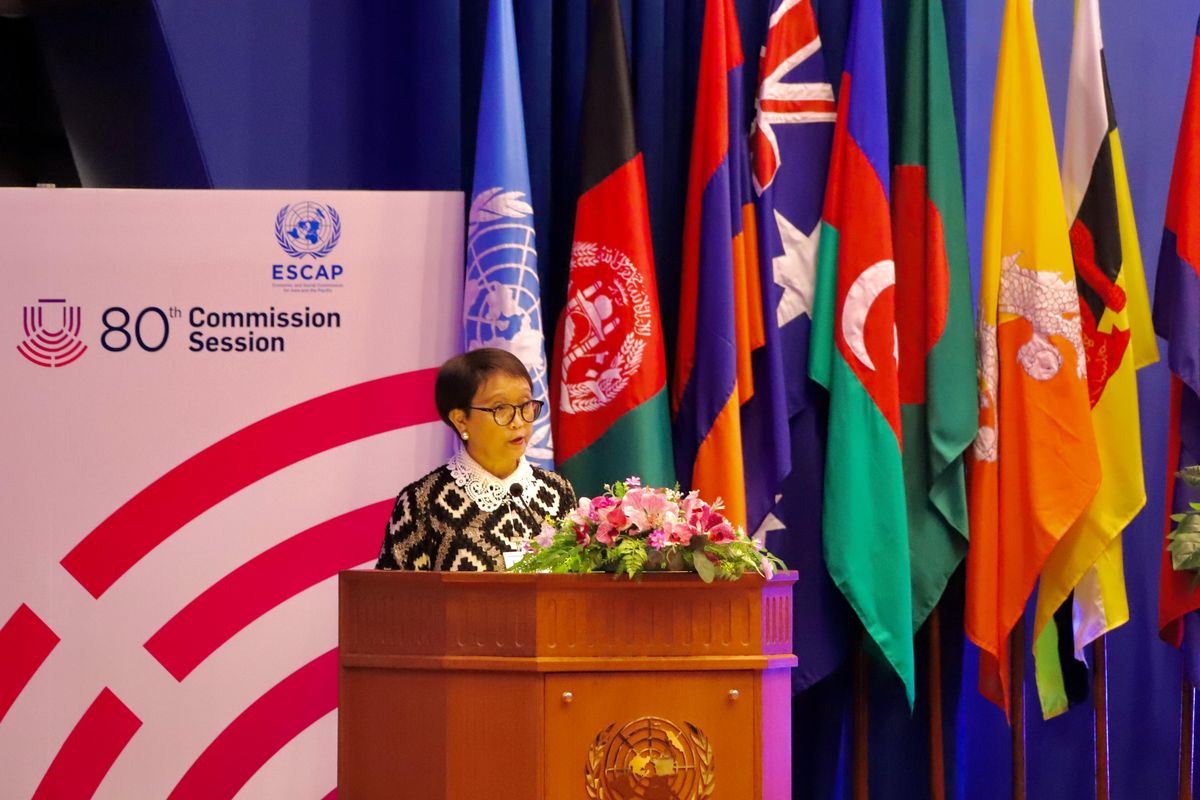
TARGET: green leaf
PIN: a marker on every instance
(704, 568)
(1190, 475)
(1184, 546)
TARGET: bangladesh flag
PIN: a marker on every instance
(938, 411)
(853, 355)
(610, 394)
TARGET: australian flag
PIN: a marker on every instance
(502, 301)
(790, 145)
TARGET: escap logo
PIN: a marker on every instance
(47, 345)
(308, 229)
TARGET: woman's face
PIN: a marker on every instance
(497, 447)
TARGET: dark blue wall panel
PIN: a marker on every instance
(125, 116)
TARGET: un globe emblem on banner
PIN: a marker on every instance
(308, 229)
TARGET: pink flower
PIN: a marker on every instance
(691, 505)
(604, 501)
(605, 533)
(581, 535)
(680, 531)
(581, 514)
(657, 539)
(633, 480)
(546, 537)
(768, 569)
(648, 509)
(721, 533)
(713, 525)
(615, 516)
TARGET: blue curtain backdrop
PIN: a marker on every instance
(371, 95)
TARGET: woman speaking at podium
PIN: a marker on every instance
(475, 512)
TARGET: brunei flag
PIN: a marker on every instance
(938, 407)
(1034, 466)
(1177, 320)
(610, 394)
(720, 296)
(853, 355)
(1114, 314)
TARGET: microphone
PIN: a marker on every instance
(517, 501)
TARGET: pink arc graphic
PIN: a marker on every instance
(229, 605)
(261, 730)
(52, 347)
(232, 603)
(25, 642)
(90, 750)
(263, 583)
(242, 458)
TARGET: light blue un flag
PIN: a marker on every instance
(502, 301)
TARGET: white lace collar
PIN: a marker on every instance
(485, 489)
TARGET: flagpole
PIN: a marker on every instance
(1187, 724)
(937, 768)
(1100, 704)
(862, 718)
(1017, 707)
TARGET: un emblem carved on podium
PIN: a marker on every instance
(650, 758)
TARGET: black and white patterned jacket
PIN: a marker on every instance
(460, 517)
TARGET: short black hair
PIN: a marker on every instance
(460, 377)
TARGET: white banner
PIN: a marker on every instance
(210, 399)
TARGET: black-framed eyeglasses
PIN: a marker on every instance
(504, 413)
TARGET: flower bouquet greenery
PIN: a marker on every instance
(632, 529)
(1185, 537)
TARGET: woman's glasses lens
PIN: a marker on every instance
(506, 412)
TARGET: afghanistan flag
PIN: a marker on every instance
(791, 138)
(934, 317)
(853, 355)
(1034, 463)
(1177, 320)
(502, 298)
(611, 392)
(1114, 313)
(720, 299)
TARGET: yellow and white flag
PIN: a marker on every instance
(1118, 339)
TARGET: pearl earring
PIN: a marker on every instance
(464, 435)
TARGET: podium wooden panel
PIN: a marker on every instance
(461, 686)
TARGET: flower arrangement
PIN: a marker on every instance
(633, 529)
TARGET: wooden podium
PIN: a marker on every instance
(553, 687)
